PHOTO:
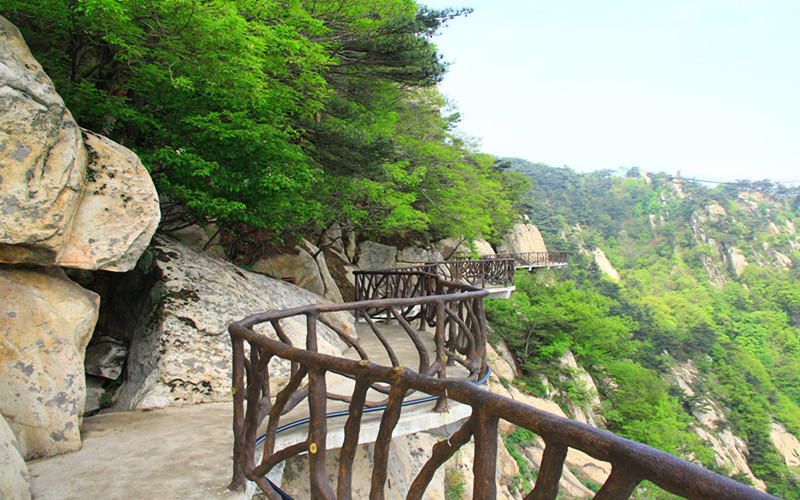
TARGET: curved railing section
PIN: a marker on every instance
(460, 338)
(631, 462)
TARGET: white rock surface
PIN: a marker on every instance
(716, 212)
(730, 451)
(118, 213)
(61, 204)
(605, 265)
(417, 255)
(329, 288)
(47, 321)
(14, 477)
(501, 366)
(455, 248)
(374, 255)
(42, 158)
(786, 443)
(590, 412)
(523, 237)
(180, 352)
(737, 260)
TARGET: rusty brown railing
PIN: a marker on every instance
(459, 338)
(631, 462)
(497, 271)
(532, 259)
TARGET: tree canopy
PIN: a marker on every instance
(283, 115)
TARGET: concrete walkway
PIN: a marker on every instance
(186, 453)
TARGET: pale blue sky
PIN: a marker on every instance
(708, 87)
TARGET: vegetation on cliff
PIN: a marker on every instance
(286, 116)
(686, 293)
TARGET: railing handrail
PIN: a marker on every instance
(460, 338)
(632, 462)
(532, 258)
(313, 309)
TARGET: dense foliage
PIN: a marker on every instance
(289, 116)
(685, 298)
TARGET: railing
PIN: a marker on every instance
(534, 259)
(459, 337)
(631, 462)
(382, 283)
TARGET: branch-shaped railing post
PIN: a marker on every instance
(484, 428)
(460, 338)
(546, 487)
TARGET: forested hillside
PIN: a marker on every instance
(708, 285)
(289, 117)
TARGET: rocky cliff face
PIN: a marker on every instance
(730, 451)
(180, 304)
(522, 238)
(68, 199)
(722, 236)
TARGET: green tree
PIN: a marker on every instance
(287, 116)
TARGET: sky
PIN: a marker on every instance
(710, 88)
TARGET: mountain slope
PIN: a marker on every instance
(708, 281)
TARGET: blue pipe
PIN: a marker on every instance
(302, 421)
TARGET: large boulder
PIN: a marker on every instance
(47, 321)
(455, 248)
(374, 255)
(304, 268)
(417, 255)
(14, 477)
(42, 158)
(118, 213)
(522, 238)
(61, 204)
(180, 351)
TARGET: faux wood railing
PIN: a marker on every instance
(400, 281)
(534, 259)
(460, 337)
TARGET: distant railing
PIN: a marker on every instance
(481, 272)
(533, 259)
